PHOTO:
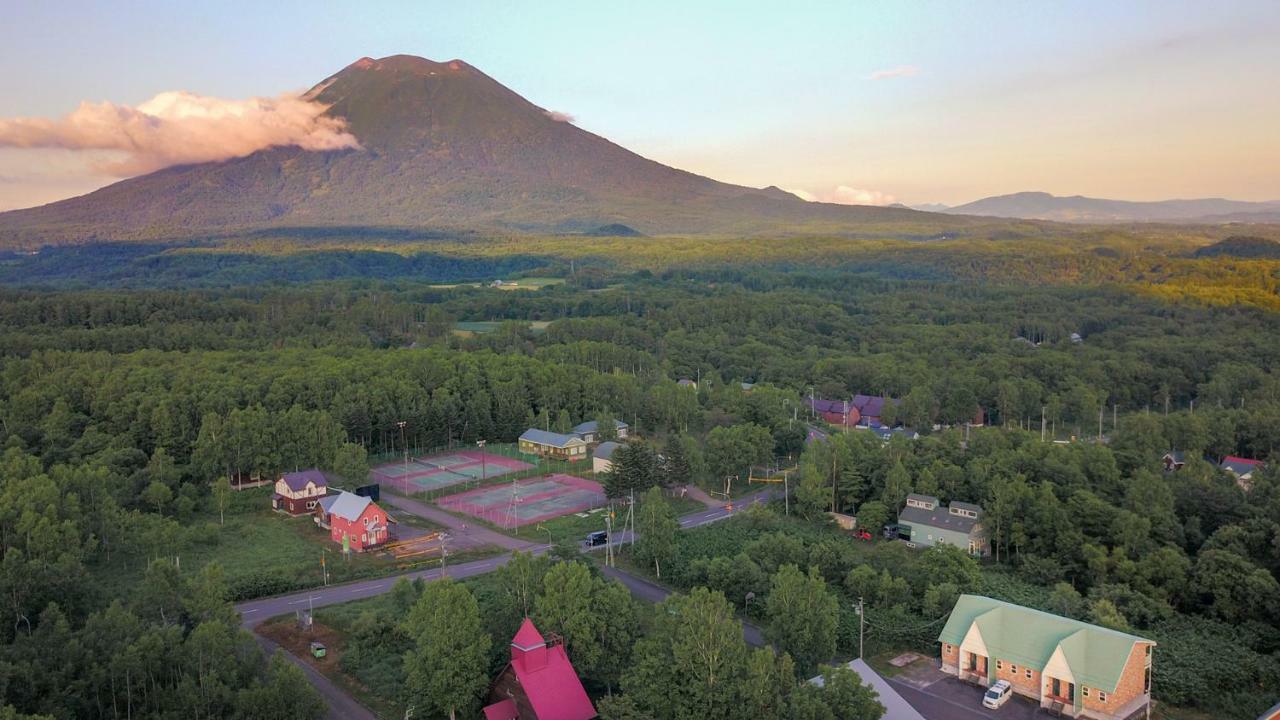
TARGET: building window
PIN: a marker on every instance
(1146, 681)
(1028, 673)
(1102, 697)
(1085, 689)
(999, 664)
(1013, 668)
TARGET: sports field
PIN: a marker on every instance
(445, 470)
(527, 501)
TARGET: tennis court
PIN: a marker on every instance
(525, 502)
(446, 470)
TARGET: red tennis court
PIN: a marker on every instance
(529, 501)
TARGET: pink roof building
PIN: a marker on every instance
(539, 683)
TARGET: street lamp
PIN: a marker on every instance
(483, 472)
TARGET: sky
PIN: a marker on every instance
(870, 102)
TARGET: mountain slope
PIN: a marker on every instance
(443, 146)
(1043, 206)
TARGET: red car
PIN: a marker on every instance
(862, 535)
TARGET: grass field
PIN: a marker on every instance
(480, 327)
(261, 552)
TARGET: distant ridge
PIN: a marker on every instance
(442, 146)
(1080, 209)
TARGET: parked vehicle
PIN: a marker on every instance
(317, 650)
(997, 695)
(597, 538)
(862, 534)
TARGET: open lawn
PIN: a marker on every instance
(261, 552)
(480, 327)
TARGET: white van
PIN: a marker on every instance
(997, 695)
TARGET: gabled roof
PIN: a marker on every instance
(831, 406)
(869, 404)
(1176, 456)
(326, 503)
(554, 439)
(349, 506)
(896, 708)
(553, 688)
(297, 481)
(591, 426)
(605, 450)
(939, 517)
(1240, 466)
(1024, 636)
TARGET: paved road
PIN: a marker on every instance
(255, 611)
(468, 534)
(651, 592)
(343, 706)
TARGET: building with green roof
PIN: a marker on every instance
(1078, 669)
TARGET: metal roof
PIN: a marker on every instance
(605, 451)
(895, 706)
(1024, 636)
(554, 439)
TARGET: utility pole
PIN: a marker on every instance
(862, 619)
(483, 471)
(1042, 423)
(1101, 411)
(786, 493)
(404, 479)
(608, 539)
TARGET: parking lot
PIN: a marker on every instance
(939, 696)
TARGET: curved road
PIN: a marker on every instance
(344, 707)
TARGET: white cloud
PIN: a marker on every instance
(179, 127)
(895, 72)
(560, 116)
(845, 195)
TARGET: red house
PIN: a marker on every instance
(836, 412)
(539, 683)
(354, 521)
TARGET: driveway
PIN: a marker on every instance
(948, 698)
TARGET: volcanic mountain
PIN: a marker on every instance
(442, 146)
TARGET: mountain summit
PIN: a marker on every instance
(442, 145)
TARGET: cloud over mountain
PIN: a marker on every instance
(845, 195)
(175, 128)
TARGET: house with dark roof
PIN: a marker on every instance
(863, 410)
(602, 458)
(1174, 460)
(354, 521)
(590, 431)
(1242, 469)
(836, 412)
(539, 683)
(563, 446)
(297, 493)
(1067, 666)
(926, 523)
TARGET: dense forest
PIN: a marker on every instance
(122, 410)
